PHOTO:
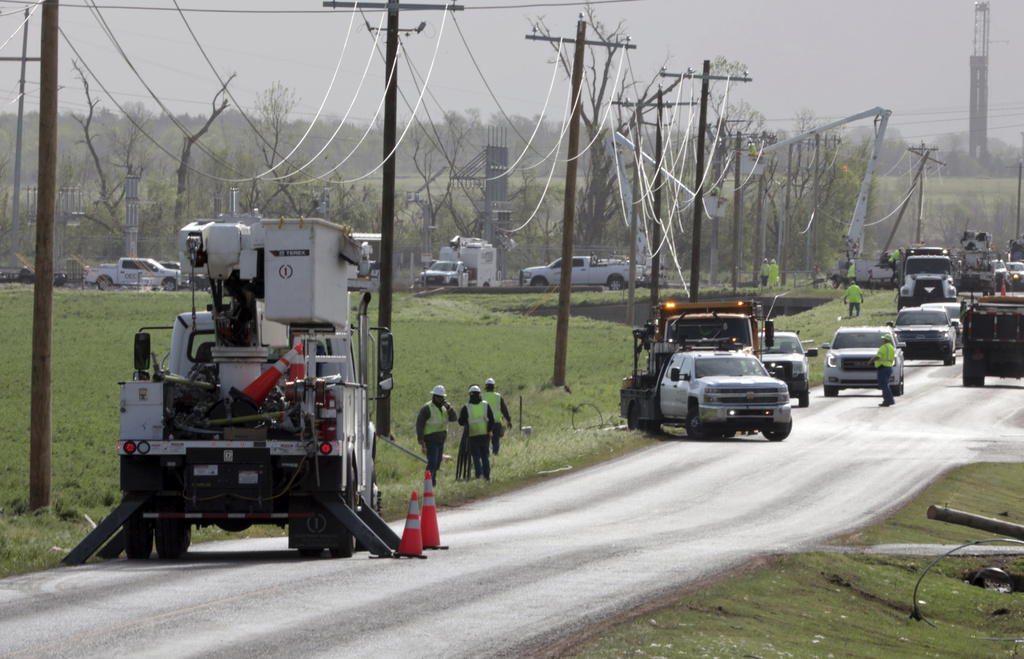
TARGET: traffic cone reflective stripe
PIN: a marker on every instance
(412, 540)
(428, 517)
(259, 388)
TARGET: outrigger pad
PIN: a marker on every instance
(109, 526)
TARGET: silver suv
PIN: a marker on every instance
(849, 360)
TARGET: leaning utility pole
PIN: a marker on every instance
(926, 154)
(42, 311)
(387, 201)
(569, 209)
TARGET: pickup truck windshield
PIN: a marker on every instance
(785, 345)
(729, 366)
(444, 266)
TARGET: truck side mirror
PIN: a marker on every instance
(812, 352)
(674, 374)
(769, 333)
(386, 352)
(142, 354)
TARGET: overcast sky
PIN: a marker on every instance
(830, 57)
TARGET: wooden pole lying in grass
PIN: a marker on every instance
(943, 514)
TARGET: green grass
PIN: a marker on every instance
(452, 340)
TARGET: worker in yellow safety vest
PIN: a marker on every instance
(764, 273)
(477, 417)
(432, 429)
(497, 403)
(851, 273)
(854, 295)
(773, 274)
(883, 361)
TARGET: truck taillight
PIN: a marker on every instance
(130, 447)
(325, 448)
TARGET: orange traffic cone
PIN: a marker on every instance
(412, 541)
(1002, 290)
(428, 517)
(261, 386)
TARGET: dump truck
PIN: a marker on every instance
(993, 337)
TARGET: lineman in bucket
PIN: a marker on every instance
(432, 429)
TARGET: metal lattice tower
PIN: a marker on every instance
(979, 82)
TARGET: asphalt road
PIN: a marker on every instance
(536, 566)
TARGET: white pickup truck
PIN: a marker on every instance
(586, 271)
(133, 271)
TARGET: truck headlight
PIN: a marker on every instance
(799, 368)
(830, 360)
(712, 396)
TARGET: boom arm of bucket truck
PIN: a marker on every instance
(614, 145)
(855, 232)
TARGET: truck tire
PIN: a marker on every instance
(950, 361)
(615, 283)
(138, 536)
(778, 432)
(804, 399)
(104, 282)
(831, 392)
(633, 421)
(173, 535)
(973, 381)
(169, 284)
(538, 281)
(694, 428)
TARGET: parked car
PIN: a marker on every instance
(926, 334)
(1001, 275)
(786, 360)
(849, 360)
(1015, 275)
(954, 311)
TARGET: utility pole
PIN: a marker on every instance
(698, 196)
(387, 201)
(925, 154)
(42, 312)
(16, 206)
(569, 209)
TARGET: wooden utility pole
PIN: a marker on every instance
(736, 207)
(656, 228)
(42, 311)
(698, 194)
(387, 200)
(926, 154)
(569, 209)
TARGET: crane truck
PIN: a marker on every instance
(260, 412)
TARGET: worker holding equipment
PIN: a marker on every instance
(476, 416)
(432, 429)
(497, 403)
(883, 361)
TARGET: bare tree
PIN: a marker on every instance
(190, 140)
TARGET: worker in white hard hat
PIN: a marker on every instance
(476, 416)
(497, 403)
(432, 429)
